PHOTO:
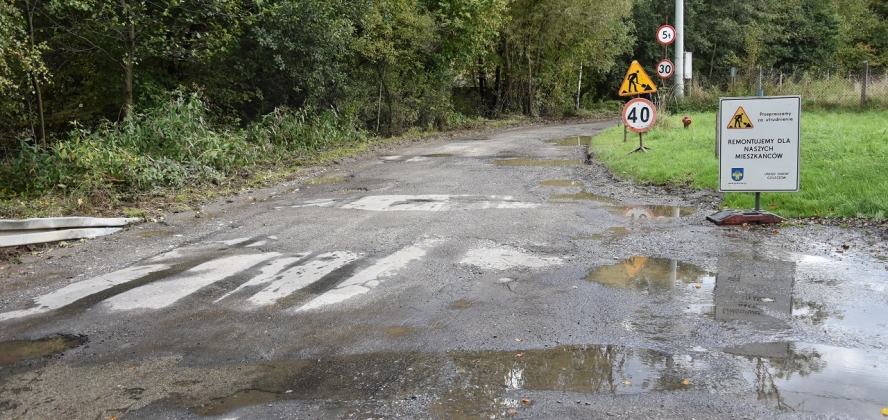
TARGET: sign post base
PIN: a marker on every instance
(739, 217)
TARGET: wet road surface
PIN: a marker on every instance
(491, 277)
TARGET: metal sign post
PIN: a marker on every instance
(758, 148)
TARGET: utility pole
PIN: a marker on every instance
(679, 48)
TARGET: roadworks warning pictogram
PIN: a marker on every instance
(740, 120)
(636, 82)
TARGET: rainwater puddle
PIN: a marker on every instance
(650, 274)
(758, 292)
(461, 304)
(817, 378)
(398, 331)
(535, 162)
(842, 296)
(470, 384)
(438, 155)
(580, 196)
(154, 234)
(572, 141)
(652, 212)
(560, 183)
(326, 180)
(14, 352)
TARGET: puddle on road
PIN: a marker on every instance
(398, 331)
(816, 378)
(572, 141)
(326, 180)
(438, 155)
(587, 370)
(14, 352)
(754, 291)
(560, 183)
(154, 234)
(461, 304)
(652, 212)
(650, 274)
(580, 196)
(535, 162)
(474, 383)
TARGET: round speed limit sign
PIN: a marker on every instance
(666, 35)
(665, 69)
(639, 115)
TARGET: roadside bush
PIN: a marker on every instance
(171, 146)
(299, 133)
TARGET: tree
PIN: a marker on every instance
(21, 64)
(545, 42)
(128, 32)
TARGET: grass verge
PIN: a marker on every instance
(843, 162)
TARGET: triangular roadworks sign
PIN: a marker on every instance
(740, 120)
(636, 81)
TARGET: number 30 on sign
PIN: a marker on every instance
(639, 115)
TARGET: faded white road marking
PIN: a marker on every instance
(298, 277)
(423, 202)
(372, 276)
(164, 293)
(81, 289)
(268, 273)
(503, 257)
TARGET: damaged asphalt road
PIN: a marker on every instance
(501, 276)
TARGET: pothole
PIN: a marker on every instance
(18, 351)
(536, 162)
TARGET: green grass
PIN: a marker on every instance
(844, 162)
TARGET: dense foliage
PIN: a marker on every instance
(88, 79)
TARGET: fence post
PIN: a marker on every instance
(863, 84)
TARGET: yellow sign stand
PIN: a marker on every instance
(636, 82)
(740, 120)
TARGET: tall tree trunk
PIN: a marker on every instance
(579, 85)
(34, 81)
(379, 101)
(129, 60)
(507, 83)
(482, 81)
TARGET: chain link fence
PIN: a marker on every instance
(856, 89)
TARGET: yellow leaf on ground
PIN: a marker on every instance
(686, 381)
(884, 411)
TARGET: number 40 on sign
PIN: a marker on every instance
(639, 115)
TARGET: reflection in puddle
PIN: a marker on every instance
(653, 212)
(13, 352)
(483, 378)
(841, 297)
(758, 291)
(649, 274)
(535, 162)
(579, 369)
(560, 183)
(572, 141)
(817, 378)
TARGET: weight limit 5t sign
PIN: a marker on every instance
(758, 143)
